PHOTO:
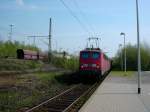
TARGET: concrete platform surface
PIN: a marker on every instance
(119, 94)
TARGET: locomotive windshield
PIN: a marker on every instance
(95, 55)
(85, 55)
(92, 55)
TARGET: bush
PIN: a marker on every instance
(131, 55)
(70, 64)
(8, 49)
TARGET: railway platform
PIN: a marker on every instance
(119, 94)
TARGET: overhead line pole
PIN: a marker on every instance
(10, 34)
(49, 39)
(50, 34)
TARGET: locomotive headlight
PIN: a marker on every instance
(97, 66)
(93, 65)
(81, 66)
(84, 65)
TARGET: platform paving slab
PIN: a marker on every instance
(119, 94)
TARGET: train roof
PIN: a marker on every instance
(27, 51)
(92, 49)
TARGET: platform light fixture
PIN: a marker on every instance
(124, 35)
(121, 56)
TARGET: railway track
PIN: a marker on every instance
(70, 100)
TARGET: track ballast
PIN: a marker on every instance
(70, 100)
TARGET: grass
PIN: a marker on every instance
(18, 65)
(122, 73)
(46, 76)
(29, 89)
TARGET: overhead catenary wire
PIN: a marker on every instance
(90, 26)
(75, 16)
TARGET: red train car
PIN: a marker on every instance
(30, 55)
(93, 63)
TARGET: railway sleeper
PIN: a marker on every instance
(54, 110)
(69, 100)
(65, 100)
(58, 105)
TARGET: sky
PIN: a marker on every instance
(104, 19)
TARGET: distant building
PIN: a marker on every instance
(62, 55)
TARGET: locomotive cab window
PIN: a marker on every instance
(85, 55)
(95, 55)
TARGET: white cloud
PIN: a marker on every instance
(32, 7)
(20, 2)
(22, 5)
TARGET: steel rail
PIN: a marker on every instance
(79, 98)
(30, 110)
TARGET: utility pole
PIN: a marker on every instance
(49, 38)
(138, 50)
(49, 46)
(10, 34)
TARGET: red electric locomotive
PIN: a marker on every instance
(93, 63)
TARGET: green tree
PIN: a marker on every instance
(131, 51)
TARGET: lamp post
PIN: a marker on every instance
(121, 57)
(124, 51)
(138, 49)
